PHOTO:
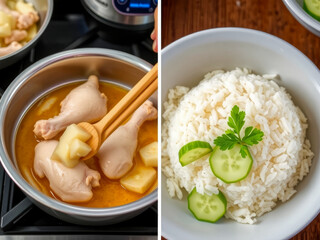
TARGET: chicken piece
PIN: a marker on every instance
(24, 20)
(70, 184)
(16, 36)
(83, 104)
(117, 151)
(14, 46)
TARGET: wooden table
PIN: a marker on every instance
(183, 17)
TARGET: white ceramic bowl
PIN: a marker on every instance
(296, 9)
(184, 62)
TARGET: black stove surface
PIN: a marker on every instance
(69, 28)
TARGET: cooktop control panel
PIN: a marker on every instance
(135, 7)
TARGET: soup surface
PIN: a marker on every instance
(110, 193)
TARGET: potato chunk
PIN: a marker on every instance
(78, 149)
(140, 179)
(24, 7)
(32, 32)
(149, 154)
(6, 18)
(63, 150)
(11, 4)
(5, 30)
(47, 105)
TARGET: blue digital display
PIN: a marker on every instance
(135, 6)
(139, 5)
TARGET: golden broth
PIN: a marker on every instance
(110, 193)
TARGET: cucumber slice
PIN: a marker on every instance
(229, 165)
(193, 151)
(312, 7)
(207, 208)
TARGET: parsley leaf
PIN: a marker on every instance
(243, 151)
(226, 141)
(232, 136)
(252, 136)
(236, 121)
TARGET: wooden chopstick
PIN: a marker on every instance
(131, 108)
(139, 91)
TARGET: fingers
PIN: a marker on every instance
(154, 34)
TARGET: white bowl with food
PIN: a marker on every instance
(267, 187)
(22, 23)
(306, 12)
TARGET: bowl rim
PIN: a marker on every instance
(260, 33)
(36, 195)
(285, 46)
(302, 15)
(37, 36)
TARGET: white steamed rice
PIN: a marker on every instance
(281, 160)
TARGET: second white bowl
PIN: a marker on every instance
(297, 11)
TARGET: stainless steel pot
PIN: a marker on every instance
(44, 76)
(44, 8)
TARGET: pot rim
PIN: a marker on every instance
(9, 166)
